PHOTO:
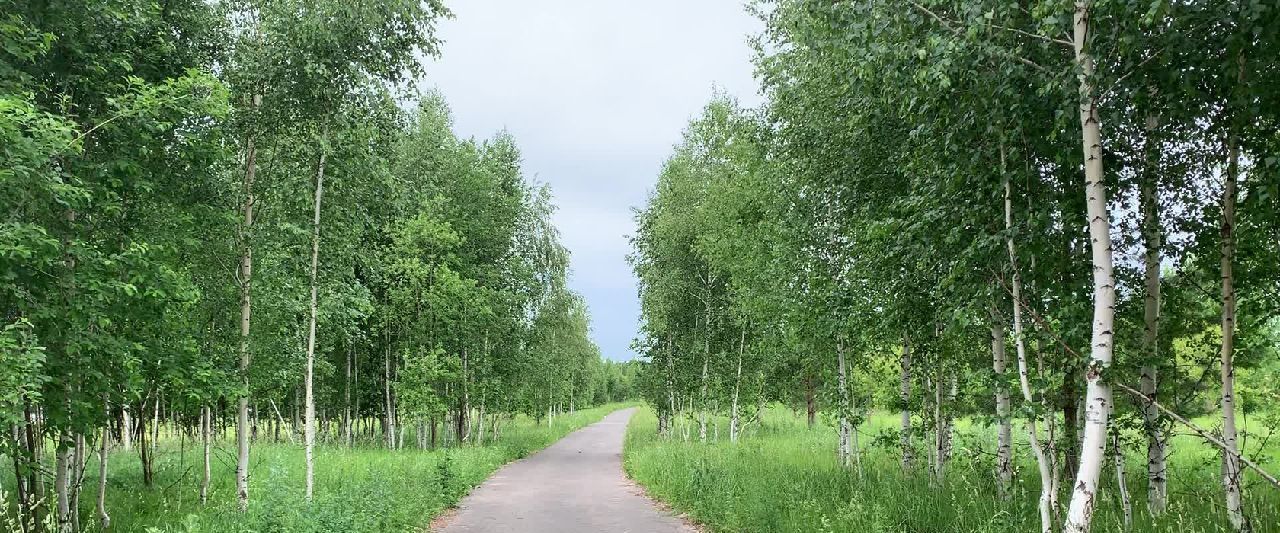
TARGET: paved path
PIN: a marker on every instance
(573, 486)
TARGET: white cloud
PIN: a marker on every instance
(596, 93)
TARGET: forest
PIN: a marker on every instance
(239, 243)
(973, 266)
(967, 265)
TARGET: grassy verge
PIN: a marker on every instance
(356, 490)
(783, 477)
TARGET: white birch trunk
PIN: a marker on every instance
(1043, 461)
(309, 419)
(126, 428)
(389, 418)
(62, 483)
(1231, 471)
(949, 420)
(79, 461)
(346, 415)
(702, 419)
(1126, 504)
(841, 381)
(1098, 391)
(1004, 435)
(936, 455)
(904, 395)
(706, 360)
(155, 424)
(206, 427)
(856, 452)
(465, 413)
(737, 384)
(104, 519)
(671, 387)
(1157, 496)
(246, 277)
(1050, 419)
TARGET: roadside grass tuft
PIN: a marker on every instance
(359, 490)
(784, 477)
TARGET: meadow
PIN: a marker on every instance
(784, 477)
(359, 489)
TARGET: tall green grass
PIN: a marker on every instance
(357, 490)
(784, 477)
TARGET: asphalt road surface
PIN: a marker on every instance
(573, 486)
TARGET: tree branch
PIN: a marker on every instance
(1151, 401)
(1202, 433)
(947, 25)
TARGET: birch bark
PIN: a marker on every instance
(1098, 391)
(845, 451)
(1043, 461)
(904, 396)
(737, 384)
(206, 426)
(1004, 435)
(246, 278)
(309, 429)
(1152, 236)
(104, 519)
(1231, 471)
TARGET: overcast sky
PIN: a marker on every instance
(596, 93)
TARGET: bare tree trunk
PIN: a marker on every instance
(702, 420)
(1126, 504)
(841, 380)
(1072, 419)
(936, 454)
(1098, 392)
(904, 396)
(206, 427)
(126, 428)
(33, 500)
(145, 450)
(104, 519)
(309, 428)
(1047, 484)
(346, 403)
(1157, 496)
(62, 482)
(1004, 436)
(1231, 471)
(737, 383)
(671, 385)
(388, 419)
(948, 423)
(246, 277)
(856, 452)
(279, 420)
(355, 402)
(927, 426)
(20, 482)
(464, 412)
(155, 423)
(1050, 436)
(706, 361)
(79, 460)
